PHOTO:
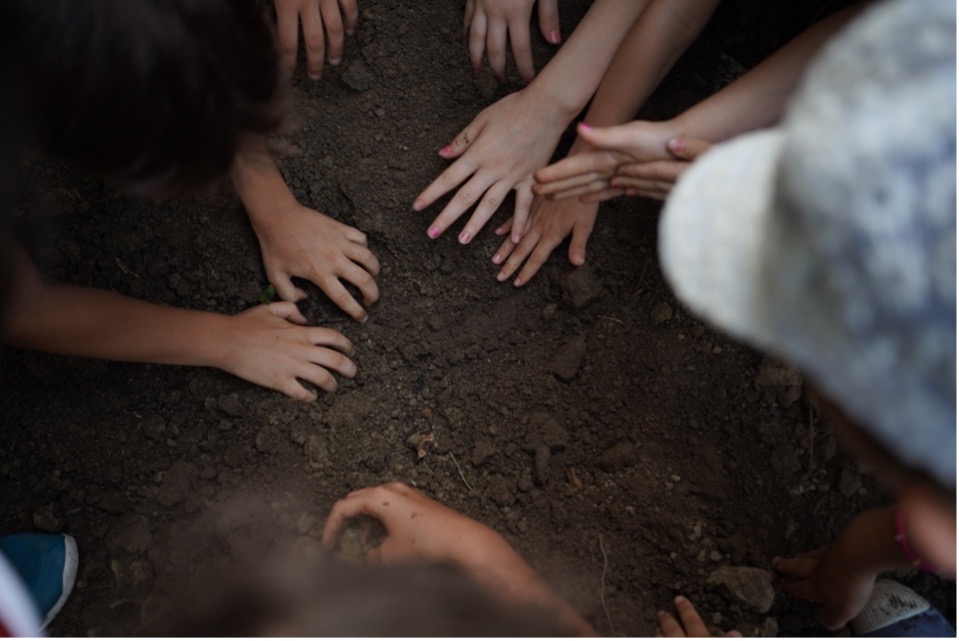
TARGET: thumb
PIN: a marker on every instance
(285, 288)
(549, 21)
(288, 311)
(606, 138)
(685, 148)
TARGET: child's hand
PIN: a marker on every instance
(315, 17)
(689, 625)
(488, 23)
(654, 179)
(613, 149)
(824, 576)
(551, 223)
(497, 152)
(299, 241)
(263, 345)
(418, 529)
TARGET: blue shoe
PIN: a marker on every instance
(47, 564)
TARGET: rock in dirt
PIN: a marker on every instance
(580, 287)
(482, 451)
(570, 359)
(751, 587)
(500, 491)
(618, 457)
(661, 313)
(230, 405)
(546, 430)
(782, 381)
(541, 459)
(357, 77)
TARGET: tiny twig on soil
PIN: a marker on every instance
(465, 482)
(610, 318)
(602, 586)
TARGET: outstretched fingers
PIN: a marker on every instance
(549, 21)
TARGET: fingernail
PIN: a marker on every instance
(518, 282)
(554, 37)
(434, 232)
(501, 276)
(615, 184)
(335, 61)
(417, 205)
(315, 76)
(446, 151)
(497, 259)
(632, 192)
(679, 600)
(585, 126)
(676, 144)
(476, 69)
(516, 238)
(465, 237)
(578, 259)
(350, 32)
(661, 614)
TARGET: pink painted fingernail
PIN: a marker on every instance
(585, 126)
(497, 259)
(446, 151)
(615, 184)
(434, 232)
(676, 144)
(554, 37)
(465, 237)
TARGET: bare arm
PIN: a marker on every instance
(267, 345)
(299, 241)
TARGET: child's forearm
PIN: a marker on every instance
(868, 543)
(758, 98)
(82, 321)
(68, 319)
(651, 48)
(258, 182)
(571, 77)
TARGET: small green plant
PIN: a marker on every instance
(267, 295)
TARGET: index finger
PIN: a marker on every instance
(287, 33)
(358, 503)
(602, 162)
(692, 622)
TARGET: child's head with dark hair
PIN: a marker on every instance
(152, 94)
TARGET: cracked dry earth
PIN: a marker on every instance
(625, 449)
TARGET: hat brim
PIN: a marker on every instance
(712, 232)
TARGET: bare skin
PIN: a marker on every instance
(626, 162)
(323, 23)
(636, 155)
(653, 44)
(486, 164)
(299, 241)
(420, 530)
(269, 345)
(689, 624)
(488, 24)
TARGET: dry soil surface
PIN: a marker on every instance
(627, 450)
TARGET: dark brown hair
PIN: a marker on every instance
(153, 94)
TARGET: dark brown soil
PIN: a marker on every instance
(624, 448)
